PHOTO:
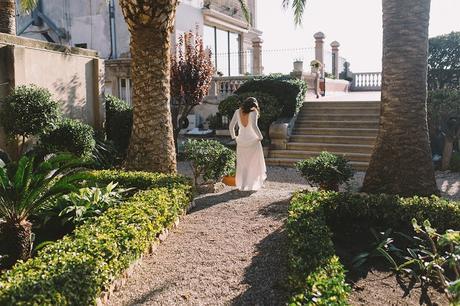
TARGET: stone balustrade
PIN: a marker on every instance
(367, 81)
(222, 87)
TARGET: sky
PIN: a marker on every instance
(355, 24)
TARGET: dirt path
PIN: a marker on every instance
(229, 250)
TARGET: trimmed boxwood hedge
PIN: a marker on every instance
(77, 268)
(316, 276)
(289, 91)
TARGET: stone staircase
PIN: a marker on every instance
(345, 128)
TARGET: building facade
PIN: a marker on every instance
(99, 25)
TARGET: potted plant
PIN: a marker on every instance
(229, 178)
(327, 171)
(315, 66)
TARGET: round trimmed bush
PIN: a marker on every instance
(28, 111)
(71, 136)
(327, 170)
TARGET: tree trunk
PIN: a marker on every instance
(17, 241)
(401, 161)
(8, 17)
(152, 143)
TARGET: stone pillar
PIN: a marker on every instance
(319, 49)
(257, 67)
(335, 58)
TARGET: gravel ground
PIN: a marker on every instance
(230, 249)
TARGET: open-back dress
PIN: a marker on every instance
(250, 163)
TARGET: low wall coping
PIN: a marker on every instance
(39, 44)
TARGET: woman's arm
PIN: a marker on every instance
(255, 116)
(232, 124)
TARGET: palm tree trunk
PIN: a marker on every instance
(8, 17)
(17, 242)
(401, 161)
(152, 143)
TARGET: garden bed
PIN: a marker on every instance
(79, 267)
(316, 220)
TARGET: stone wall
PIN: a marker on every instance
(73, 76)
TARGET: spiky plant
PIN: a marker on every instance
(25, 188)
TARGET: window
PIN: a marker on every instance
(125, 90)
(225, 48)
(82, 45)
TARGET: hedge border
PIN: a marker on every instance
(316, 277)
(83, 268)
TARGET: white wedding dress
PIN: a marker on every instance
(251, 172)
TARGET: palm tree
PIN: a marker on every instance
(8, 14)
(24, 190)
(401, 161)
(152, 143)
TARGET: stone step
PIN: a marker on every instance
(333, 117)
(305, 111)
(333, 139)
(361, 157)
(290, 162)
(341, 104)
(337, 124)
(335, 131)
(330, 147)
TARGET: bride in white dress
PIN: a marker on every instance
(250, 163)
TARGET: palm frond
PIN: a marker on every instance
(245, 10)
(27, 6)
(298, 6)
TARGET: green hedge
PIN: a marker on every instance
(77, 268)
(118, 122)
(316, 276)
(290, 92)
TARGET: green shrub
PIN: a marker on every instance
(118, 122)
(289, 92)
(210, 159)
(455, 162)
(270, 110)
(28, 111)
(316, 216)
(441, 105)
(327, 170)
(75, 269)
(69, 135)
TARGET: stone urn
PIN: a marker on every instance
(298, 66)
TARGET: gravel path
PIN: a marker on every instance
(229, 250)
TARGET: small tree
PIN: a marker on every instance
(444, 62)
(191, 76)
(28, 111)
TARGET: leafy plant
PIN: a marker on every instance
(105, 155)
(86, 203)
(69, 135)
(383, 246)
(435, 254)
(24, 190)
(327, 170)
(210, 160)
(28, 111)
(118, 123)
(442, 105)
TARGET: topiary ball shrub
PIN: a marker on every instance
(28, 111)
(210, 160)
(118, 122)
(71, 136)
(327, 171)
(270, 109)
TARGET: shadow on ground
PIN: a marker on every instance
(276, 210)
(267, 274)
(210, 200)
